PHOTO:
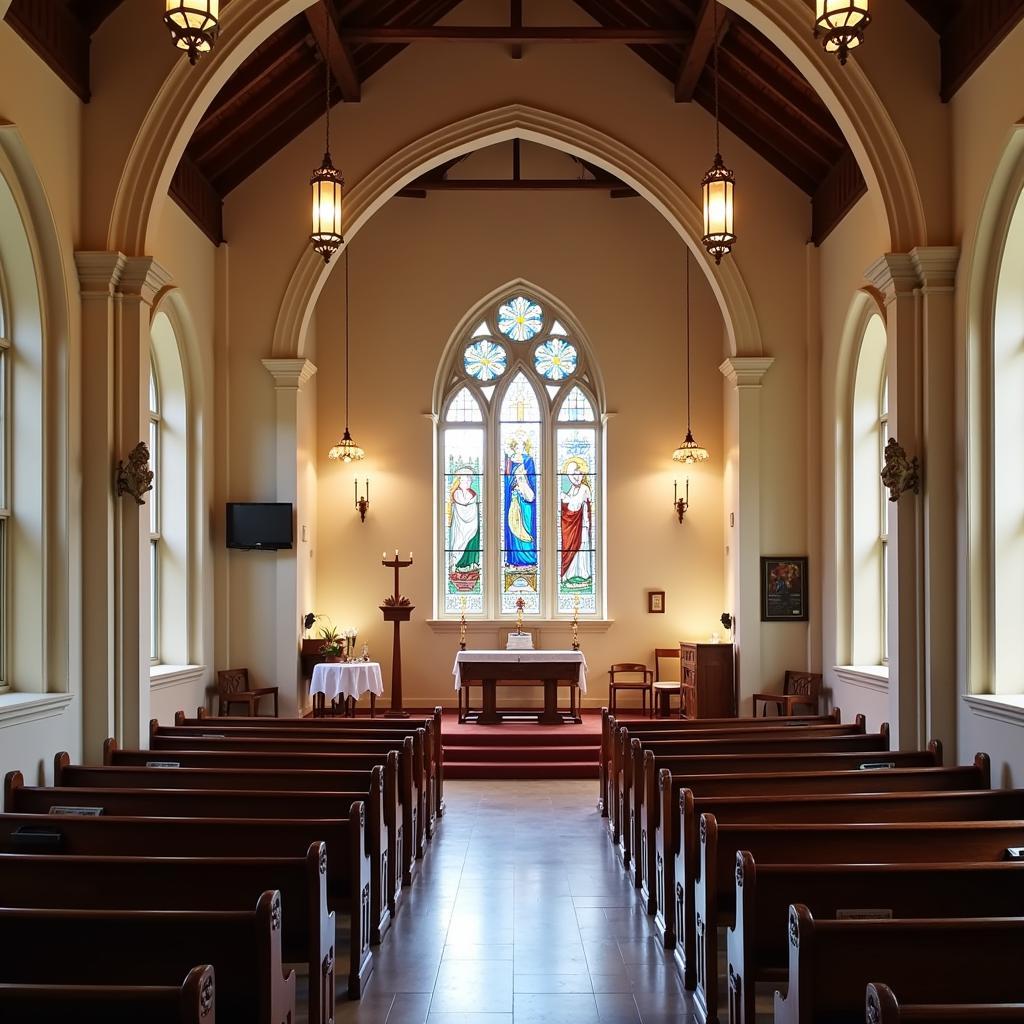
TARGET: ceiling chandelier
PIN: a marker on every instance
(840, 25)
(718, 189)
(689, 452)
(327, 181)
(193, 25)
(346, 450)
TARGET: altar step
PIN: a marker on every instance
(519, 751)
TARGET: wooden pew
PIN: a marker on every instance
(192, 1002)
(281, 761)
(45, 881)
(882, 1007)
(347, 868)
(947, 961)
(629, 757)
(915, 842)
(630, 781)
(609, 723)
(621, 734)
(663, 815)
(142, 947)
(758, 942)
(221, 804)
(279, 780)
(184, 740)
(356, 725)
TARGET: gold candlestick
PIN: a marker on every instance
(462, 624)
(520, 605)
(576, 623)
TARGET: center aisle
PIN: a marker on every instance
(506, 923)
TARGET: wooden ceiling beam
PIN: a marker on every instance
(195, 194)
(510, 35)
(512, 185)
(333, 46)
(972, 33)
(60, 39)
(835, 196)
(697, 53)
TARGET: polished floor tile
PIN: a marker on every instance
(521, 914)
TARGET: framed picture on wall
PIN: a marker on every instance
(784, 588)
(656, 601)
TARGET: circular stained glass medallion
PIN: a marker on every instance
(484, 360)
(555, 359)
(520, 318)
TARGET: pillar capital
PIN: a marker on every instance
(936, 266)
(893, 274)
(289, 374)
(99, 273)
(746, 371)
(143, 278)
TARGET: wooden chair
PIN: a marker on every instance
(673, 684)
(233, 688)
(644, 684)
(800, 689)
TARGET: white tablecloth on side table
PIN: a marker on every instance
(516, 657)
(346, 679)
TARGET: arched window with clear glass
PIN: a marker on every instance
(155, 547)
(521, 467)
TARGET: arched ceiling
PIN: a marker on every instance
(278, 90)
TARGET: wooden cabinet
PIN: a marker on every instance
(708, 680)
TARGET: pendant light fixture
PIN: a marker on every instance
(689, 452)
(346, 450)
(718, 188)
(327, 182)
(193, 25)
(840, 25)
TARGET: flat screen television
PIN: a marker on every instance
(259, 525)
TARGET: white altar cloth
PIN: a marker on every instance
(346, 679)
(519, 657)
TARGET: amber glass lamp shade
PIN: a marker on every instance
(719, 188)
(840, 25)
(327, 184)
(346, 450)
(193, 25)
(689, 452)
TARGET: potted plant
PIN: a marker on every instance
(330, 651)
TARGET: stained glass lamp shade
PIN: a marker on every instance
(193, 25)
(346, 450)
(841, 24)
(689, 452)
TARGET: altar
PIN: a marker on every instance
(522, 669)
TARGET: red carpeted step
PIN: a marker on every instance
(518, 755)
(525, 770)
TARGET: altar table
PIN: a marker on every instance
(348, 680)
(522, 668)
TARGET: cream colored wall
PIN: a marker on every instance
(618, 268)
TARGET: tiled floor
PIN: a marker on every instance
(521, 915)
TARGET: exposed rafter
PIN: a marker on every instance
(343, 67)
(511, 35)
(695, 56)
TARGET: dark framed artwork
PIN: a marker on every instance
(784, 588)
(656, 601)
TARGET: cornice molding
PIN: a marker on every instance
(289, 374)
(1008, 709)
(893, 274)
(869, 678)
(936, 266)
(746, 371)
(19, 708)
(99, 273)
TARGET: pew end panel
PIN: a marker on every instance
(704, 952)
(665, 863)
(377, 844)
(740, 943)
(648, 849)
(360, 930)
(637, 862)
(602, 769)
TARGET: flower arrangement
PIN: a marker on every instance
(336, 642)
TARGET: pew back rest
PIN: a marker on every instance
(882, 1007)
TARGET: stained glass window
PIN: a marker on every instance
(485, 360)
(555, 359)
(520, 456)
(520, 318)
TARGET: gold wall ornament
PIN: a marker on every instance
(134, 477)
(900, 474)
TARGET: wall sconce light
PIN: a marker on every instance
(363, 503)
(681, 504)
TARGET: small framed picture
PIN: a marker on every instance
(784, 589)
(656, 601)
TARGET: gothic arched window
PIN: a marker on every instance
(520, 467)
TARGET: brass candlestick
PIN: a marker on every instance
(576, 623)
(462, 625)
(520, 605)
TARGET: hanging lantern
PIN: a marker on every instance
(193, 25)
(840, 25)
(346, 450)
(327, 184)
(718, 188)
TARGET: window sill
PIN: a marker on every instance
(19, 708)
(585, 625)
(1008, 707)
(165, 676)
(868, 677)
